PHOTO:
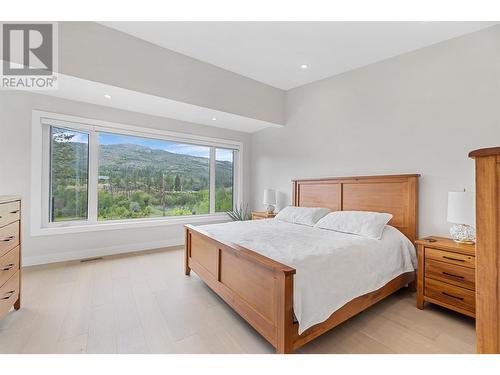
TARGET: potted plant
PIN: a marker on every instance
(240, 213)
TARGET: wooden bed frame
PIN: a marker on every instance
(260, 289)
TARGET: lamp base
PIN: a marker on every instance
(463, 233)
(270, 209)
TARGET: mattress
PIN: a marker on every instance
(332, 268)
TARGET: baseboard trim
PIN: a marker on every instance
(98, 252)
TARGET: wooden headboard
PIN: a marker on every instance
(396, 194)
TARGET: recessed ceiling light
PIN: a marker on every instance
(214, 119)
(107, 96)
(304, 66)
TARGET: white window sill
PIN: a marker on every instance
(129, 224)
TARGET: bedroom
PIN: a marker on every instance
(344, 146)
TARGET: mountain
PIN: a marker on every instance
(125, 158)
(130, 162)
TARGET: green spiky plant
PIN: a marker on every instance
(240, 213)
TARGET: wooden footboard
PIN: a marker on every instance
(259, 289)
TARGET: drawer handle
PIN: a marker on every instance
(7, 239)
(14, 212)
(8, 267)
(455, 259)
(452, 296)
(452, 275)
(10, 293)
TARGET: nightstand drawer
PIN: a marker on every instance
(449, 273)
(9, 237)
(257, 217)
(262, 215)
(449, 257)
(448, 294)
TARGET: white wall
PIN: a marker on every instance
(421, 112)
(15, 143)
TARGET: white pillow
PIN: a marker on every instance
(302, 215)
(364, 223)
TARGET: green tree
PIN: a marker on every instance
(177, 183)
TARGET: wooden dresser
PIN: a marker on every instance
(446, 274)
(488, 249)
(10, 254)
(257, 215)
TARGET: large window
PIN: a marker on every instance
(99, 174)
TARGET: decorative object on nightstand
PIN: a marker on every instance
(461, 212)
(446, 274)
(10, 254)
(269, 200)
(262, 215)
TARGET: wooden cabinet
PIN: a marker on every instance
(10, 254)
(487, 249)
(446, 274)
(262, 215)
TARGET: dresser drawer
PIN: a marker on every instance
(9, 265)
(9, 237)
(450, 273)
(9, 293)
(450, 295)
(449, 257)
(9, 212)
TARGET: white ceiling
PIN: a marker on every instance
(272, 52)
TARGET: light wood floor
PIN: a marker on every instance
(144, 304)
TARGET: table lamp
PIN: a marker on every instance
(269, 200)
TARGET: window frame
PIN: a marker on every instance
(40, 173)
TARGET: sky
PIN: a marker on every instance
(177, 148)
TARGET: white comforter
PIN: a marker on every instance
(332, 267)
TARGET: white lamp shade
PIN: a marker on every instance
(269, 196)
(461, 207)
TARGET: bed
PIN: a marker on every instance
(259, 281)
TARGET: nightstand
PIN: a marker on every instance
(446, 274)
(262, 215)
